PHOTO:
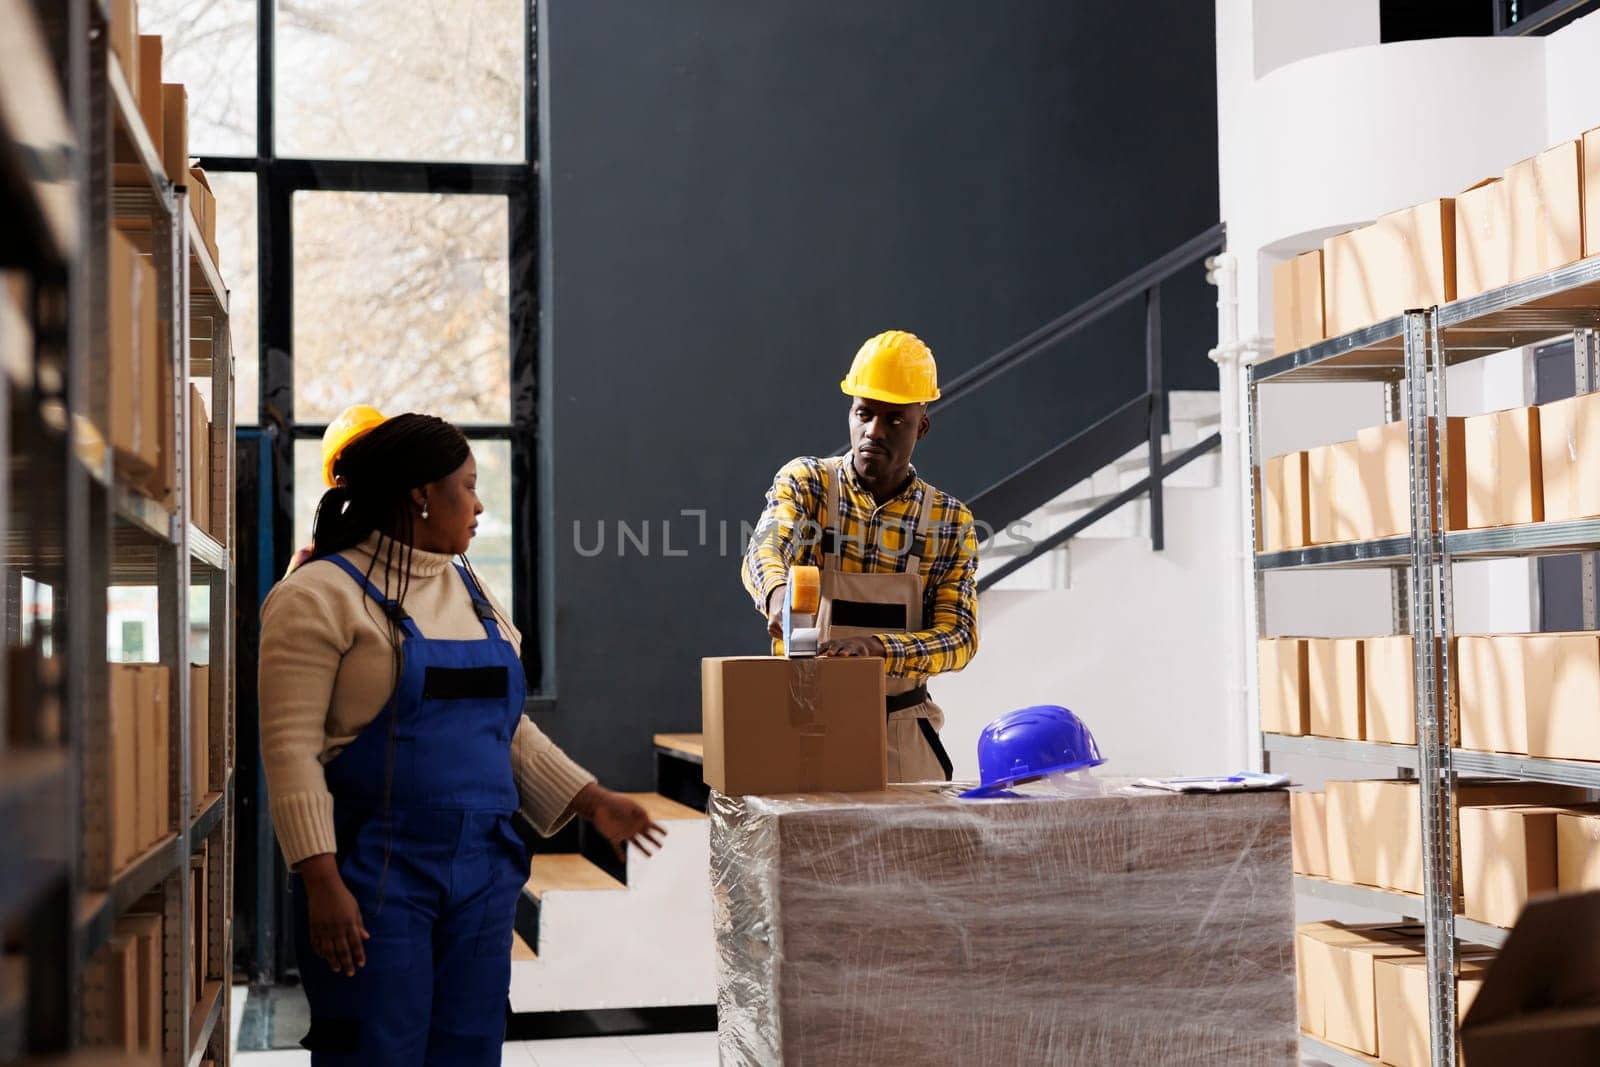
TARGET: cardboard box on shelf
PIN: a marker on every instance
(1404, 260)
(1492, 694)
(175, 131)
(204, 205)
(199, 733)
(1577, 851)
(775, 725)
(1336, 688)
(1561, 676)
(1356, 838)
(124, 39)
(157, 706)
(1504, 483)
(1287, 508)
(1545, 199)
(121, 978)
(1508, 854)
(1340, 978)
(1483, 239)
(1569, 453)
(1308, 829)
(1591, 193)
(1340, 506)
(1385, 473)
(1402, 994)
(1308, 977)
(1537, 1003)
(198, 931)
(147, 743)
(1297, 314)
(199, 461)
(133, 349)
(123, 720)
(1285, 681)
(150, 88)
(144, 930)
(1388, 677)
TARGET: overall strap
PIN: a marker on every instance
(391, 608)
(480, 603)
(832, 522)
(920, 533)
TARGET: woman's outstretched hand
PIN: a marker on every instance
(620, 819)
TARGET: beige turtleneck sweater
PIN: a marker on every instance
(327, 669)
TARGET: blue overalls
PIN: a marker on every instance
(436, 867)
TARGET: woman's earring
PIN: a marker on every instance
(424, 513)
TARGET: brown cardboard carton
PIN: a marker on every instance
(1335, 689)
(201, 904)
(1297, 302)
(157, 703)
(1508, 854)
(125, 39)
(1493, 694)
(150, 88)
(122, 716)
(204, 205)
(1388, 677)
(1483, 239)
(775, 725)
(1321, 509)
(1402, 994)
(199, 461)
(1537, 1003)
(1308, 1001)
(146, 744)
(123, 344)
(1287, 511)
(1359, 845)
(1385, 472)
(1285, 693)
(175, 132)
(1399, 817)
(1591, 193)
(1405, 260)
(1569, 452)
(1340, 505)
(1561, 675)
(1546, 211)
(1504, 483)
(122, 992)
(1308, 828)
(199, 733)
(1350, 1009)
(1577, 851)
(144, 930)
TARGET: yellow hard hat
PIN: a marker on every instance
(353, 422)
(894, 367)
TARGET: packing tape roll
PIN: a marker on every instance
(805, 590)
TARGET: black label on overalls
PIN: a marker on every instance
(465, 683)
(869, 616)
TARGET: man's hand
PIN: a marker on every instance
(619, 819)
(854, 647)
(335, 918)
(775, 611)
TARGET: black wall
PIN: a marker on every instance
(740, 193)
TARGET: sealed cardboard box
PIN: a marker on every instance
(1569, 452)
(1297, 303)
(150, 89)
(144, 930)
(1308, 827)
(199, 733)
(1508, 854)
(157, 706)
(1405, 260)
(175, 131)
(122, 716)
(198, 928)
(1545, 200)
(121, 976)
(204, 205)
(199, 461)
(125, 38)
(1402, 994)
(1591, 193)
(1285, 681)
(1504, 483)
(1388, 677)
(1287, 507)
(1335, 690)
(1359, 845)
(1493, 695)
(1561, 676)
(129, 289)
(1385, 473)
(1308, 999)
(1338, 971)
(1340, 504)
(1577, 851)
(775, 725)
(1483, 239)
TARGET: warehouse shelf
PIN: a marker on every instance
(141, 512)
(204, 823)
(1533, 539)
(1372, 752)
(1408, 905)
(1316, 1050)
(1529, 768)
(205, 549)
(1522, 313)
(1387, 552)
(131, 132)
(1373, 354)
(204, 1021)
(99, 912)
(1480, 933)
(213, 296)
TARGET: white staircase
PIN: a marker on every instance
(1193, 416)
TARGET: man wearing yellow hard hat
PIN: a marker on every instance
(898, 557)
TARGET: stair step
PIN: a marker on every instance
(662, 809)
(520, 949)
(567, 871)
(692, 745)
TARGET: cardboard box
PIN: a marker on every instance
(198, 931)
(1297, 315)
(1338, 978)
(132, 294)
(1492, 695)
(1385, 473)
(1561, 675)
(1504, 484)
(122, 992)
(1483, 239)
(1402, 993)
(146, 744)
(1388, 679)
(157, 707)
(1308, 1004)
(1308, 829)
(1577, 851)
(1359, 846)
(1340, 506)
(1537, 1004)
(144, 930)
(1400, 815)
(1403, 261)
(1336, 688)
(204, 205)
(199, 733)
(1545, 199)
(122, 717)
(1569, 454)
(1285, 685)
(1508, 854)
(150, 89)
(199, 461)
(1286, 516)
(124, 39)
(1591, 193)
(775, 725)
(175, 132)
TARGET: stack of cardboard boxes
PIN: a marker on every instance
(127, 973)
(139, 718)
(1355, 688)
(200, 462)
(1529, 221)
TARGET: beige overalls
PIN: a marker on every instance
(862, 605)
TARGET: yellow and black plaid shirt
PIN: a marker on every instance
(872, 539)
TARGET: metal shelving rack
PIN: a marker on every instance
(77, 528)
(1410, 355)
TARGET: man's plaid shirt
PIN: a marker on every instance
(872, 539)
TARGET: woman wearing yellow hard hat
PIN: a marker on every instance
(396, 753)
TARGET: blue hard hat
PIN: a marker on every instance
(1030, 743)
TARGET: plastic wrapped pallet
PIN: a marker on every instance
(914, 927)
